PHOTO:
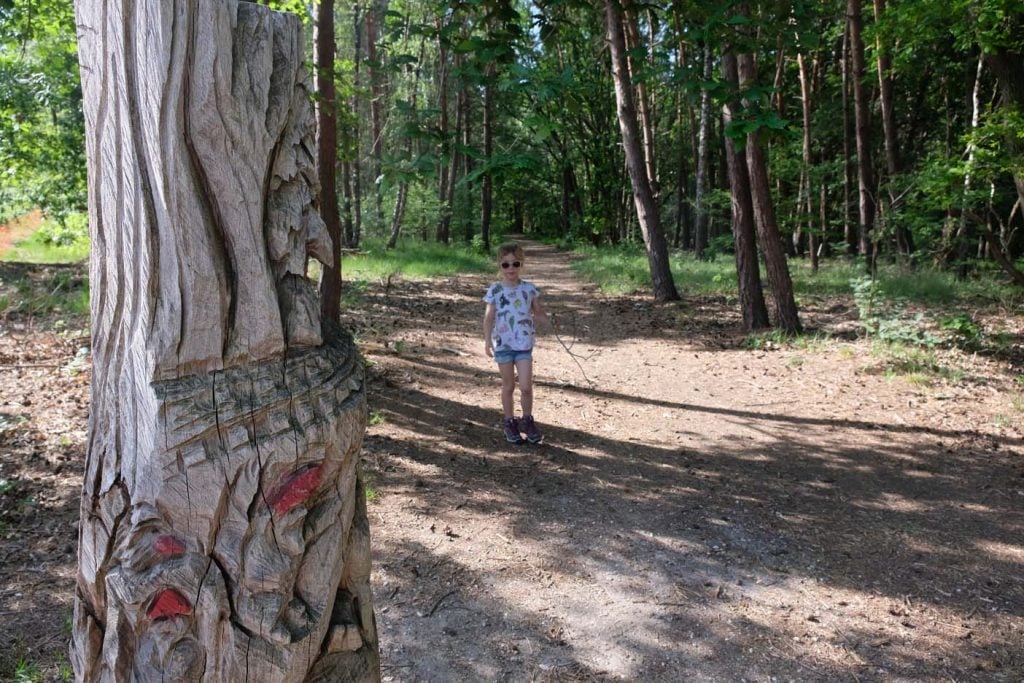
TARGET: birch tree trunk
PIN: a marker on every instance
(223, 532)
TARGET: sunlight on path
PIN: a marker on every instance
(700, 512)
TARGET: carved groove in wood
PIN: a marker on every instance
(223, 531)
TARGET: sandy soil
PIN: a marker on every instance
(698, 511)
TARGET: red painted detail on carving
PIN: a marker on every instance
(168, 546)
(169, 603)
(295, 488)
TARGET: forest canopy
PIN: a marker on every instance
(893, 130)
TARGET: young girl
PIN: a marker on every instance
(512, 305)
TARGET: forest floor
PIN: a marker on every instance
(699, 511)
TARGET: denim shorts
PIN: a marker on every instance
(507, 356)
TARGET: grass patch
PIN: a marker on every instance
(41, 291)
(921, 285)
(915, 364)
(414, 260)
(776, 339)
(624, 269)
(54, 242)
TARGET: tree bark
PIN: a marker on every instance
(700, 232)
(486, 186)
(467, 160)
(775, 263)
(356, 167)
(327, 150)
(904, 238)
(752, 305)
(848, 234)
(398, 214)
(862, 129)
(441, 233)
(643, 195)
(373, 16)
(223, 532)
(645, 115)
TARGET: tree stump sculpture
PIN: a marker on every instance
(223, 526)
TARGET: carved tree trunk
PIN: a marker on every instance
(223, 528)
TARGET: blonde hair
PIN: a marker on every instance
(511, 248)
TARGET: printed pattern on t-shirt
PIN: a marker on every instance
(513, 322)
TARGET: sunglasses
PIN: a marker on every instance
(511, 264)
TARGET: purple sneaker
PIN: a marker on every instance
(533, 434)
(512, 431)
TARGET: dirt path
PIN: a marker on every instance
(700, 512)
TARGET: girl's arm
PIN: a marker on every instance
(539, 313)
(489, 314)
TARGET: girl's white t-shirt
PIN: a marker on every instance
(513, 322)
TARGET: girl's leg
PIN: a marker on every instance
(508, 387)
(525, 368)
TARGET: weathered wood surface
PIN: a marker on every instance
(223, 533)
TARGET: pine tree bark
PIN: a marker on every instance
(487, 183)
(441, 232)
(752, 305)
(862, 130)
(700, 232)
(373, 18)
(806, 191)
(643, 195)
(327, 150)
(786, 315)
(645, 113)
(355, 167)
(223, 532)
(849, 236)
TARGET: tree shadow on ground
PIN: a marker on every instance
(799, 504)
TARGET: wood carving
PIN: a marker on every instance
(223, 526)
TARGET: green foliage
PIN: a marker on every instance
(42, 151)
(886, 321)
(965, 329)
(26, 671)
(913, 363)
(59, 293)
